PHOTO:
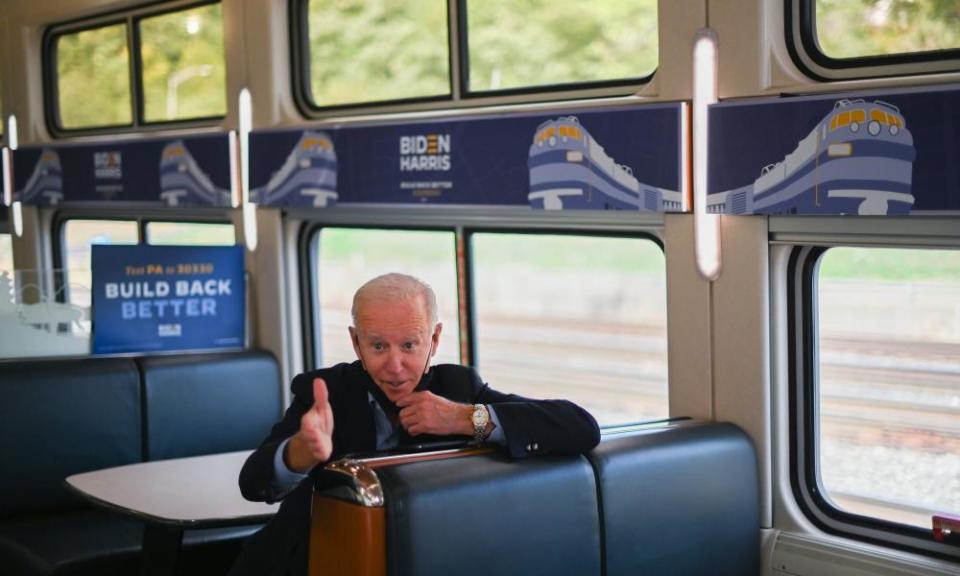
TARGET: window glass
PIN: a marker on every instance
(514, 43)
(889, 382)
(854, 28)
(3, 119)
(78, 236)
(183, 64)
(349, 257)
(190, 234)
(362, 51)
(35, 320)
(576, 317)
(6, 254)
(93, 78)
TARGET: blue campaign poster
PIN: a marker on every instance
(624, 158)
(192, 171)
(160, 298)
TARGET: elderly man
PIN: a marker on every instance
(389, 396)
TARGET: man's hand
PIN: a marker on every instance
(314, 442)
(427, 413)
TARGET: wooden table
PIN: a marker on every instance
(171, 496)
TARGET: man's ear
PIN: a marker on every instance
(355, 340)
(435, 339)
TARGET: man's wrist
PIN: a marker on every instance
(467, 419)
(293, 456)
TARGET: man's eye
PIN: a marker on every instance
(378, 346)
(409, 345)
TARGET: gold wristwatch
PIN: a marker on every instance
(480, 419)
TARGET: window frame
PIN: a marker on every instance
(800, 36)
(803, 385)
(131, 20)
(460, 95)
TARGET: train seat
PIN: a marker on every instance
(65, 416)
(461, 512)
(208, 403)
(679, 499)
(490, 515)
(60, 418)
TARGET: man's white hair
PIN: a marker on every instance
(395, 287)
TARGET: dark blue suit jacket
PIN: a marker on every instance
(530, 426)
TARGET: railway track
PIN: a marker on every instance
(899, 388)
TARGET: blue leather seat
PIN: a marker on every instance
(208, 403)
(486, 515)
(65, 416)
(60, 418)
(681, 500)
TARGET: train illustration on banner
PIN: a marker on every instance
(183, 182)
(45, 185)
(307, 178)
(569, 169)
(857, 160)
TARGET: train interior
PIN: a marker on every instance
(743, 260)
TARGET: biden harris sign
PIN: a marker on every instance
(160, 298)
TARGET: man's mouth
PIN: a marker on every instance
(396, 385)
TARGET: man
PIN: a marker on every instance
(389, 396)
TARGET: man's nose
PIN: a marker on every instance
(395, 362)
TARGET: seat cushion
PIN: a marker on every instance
(93, 542)
(75, 543)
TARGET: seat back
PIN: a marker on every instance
(487, 515)
(680, 500)
(208, 403)
(61, 418)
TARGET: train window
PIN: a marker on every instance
(93, 78)
(78, 236)
(526, 44)
(183, 68)
(853, 29)
(190, 233)
(574, 316)
(348, 257)
(882, 446)
(6, 255)
(838, 39)
(376, 51)
(3, 122)
(149, 65)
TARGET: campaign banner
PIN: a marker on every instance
(160, 298)
(891, 152)
(626, 158)
(191, 171)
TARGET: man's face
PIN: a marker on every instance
(394, 341)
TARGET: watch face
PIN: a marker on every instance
(480, 416)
